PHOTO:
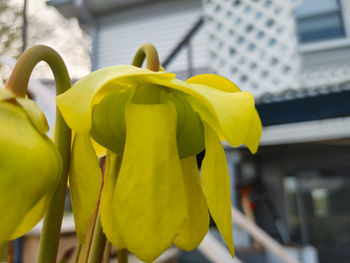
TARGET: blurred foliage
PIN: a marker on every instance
(10, 33)
(44, 26)
(10, 28)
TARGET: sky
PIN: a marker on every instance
(65, 36)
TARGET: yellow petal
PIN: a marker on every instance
(197, 224)
(150, 205)
(254, 133)
(76, 103)
(216, 184)
(221, 83)
(110, 228)
(85, 180)
(229, 113)
(24, 180)
(214, 81)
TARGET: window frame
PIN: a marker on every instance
(326, 44)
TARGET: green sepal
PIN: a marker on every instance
(35, 115)
(108, 121)
(190, 130)
(108, 128)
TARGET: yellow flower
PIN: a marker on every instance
(30, 165)
(153, 126)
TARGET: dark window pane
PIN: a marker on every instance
(321, 27)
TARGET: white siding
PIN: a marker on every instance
(162, 23)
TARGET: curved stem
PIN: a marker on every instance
(147, 94)
(149, 52)
(18, 83)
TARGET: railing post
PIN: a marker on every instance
(189, 59)
(260, 235)
(187, 37)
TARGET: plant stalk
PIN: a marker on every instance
(4, 252)
(98, 243)
(107, 252)
(123, 256)
(149, 52)
(112, 166)
(147, 94)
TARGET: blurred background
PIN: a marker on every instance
(293, 56)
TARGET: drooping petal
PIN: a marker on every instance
(229, 113)
(110, 228)
(85, 180)
(216, 184)
(76, 103)
(254, 133)
(217, 82)
(150, 205)
(24, 180)
(197, 224)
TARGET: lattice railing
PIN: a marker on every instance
(253, 43)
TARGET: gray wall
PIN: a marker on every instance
(162, 23)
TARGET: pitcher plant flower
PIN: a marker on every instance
(152, 126)
(30, 165)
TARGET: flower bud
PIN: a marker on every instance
(30, 165)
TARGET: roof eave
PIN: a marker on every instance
(96, 7)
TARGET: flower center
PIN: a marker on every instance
(147, 93)
(108, 119)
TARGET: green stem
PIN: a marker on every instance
(3, 252)
(148, 51)
(98, 243)
(147, 94)
(107, 253)
(85, 249)
(78, 253)
(18, 83)
(123, 256)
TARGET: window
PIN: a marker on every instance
(319, 20)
